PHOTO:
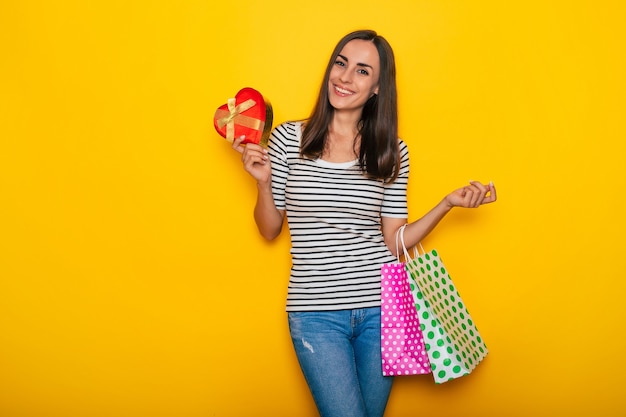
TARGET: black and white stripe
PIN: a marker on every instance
(334, 214)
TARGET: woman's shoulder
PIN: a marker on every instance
(402, 146)
(290, 129)
(287, 136)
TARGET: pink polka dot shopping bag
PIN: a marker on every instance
(402, 343)
(453, 344)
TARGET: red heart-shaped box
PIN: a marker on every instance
(247, 114)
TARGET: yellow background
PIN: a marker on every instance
(133, 282)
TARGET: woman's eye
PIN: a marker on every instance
(363, 72)
(340, 63)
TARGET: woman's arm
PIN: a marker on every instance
(471, 196)
(268, 218)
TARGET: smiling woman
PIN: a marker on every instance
(367, 131)
(341, 181)
(354, 78)
(352, 82)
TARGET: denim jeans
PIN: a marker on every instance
(339, 353)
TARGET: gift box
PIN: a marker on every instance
(249, 114)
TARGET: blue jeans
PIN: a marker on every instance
(339, 353)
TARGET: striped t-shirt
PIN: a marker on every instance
(334, 215)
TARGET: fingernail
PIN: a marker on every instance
(491, 183)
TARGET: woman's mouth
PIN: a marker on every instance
(343, 91)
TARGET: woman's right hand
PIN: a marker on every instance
(255, 160)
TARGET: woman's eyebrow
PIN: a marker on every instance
(360, 64)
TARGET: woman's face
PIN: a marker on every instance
(354, 76)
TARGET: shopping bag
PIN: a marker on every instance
(402, 344)
(453, 343)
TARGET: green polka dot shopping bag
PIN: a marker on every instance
(452, 341)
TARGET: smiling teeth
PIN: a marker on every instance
(342, 91)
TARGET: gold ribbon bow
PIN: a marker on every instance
(233, 114)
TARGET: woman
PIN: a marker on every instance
(340, 178)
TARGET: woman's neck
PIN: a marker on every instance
(342, 142)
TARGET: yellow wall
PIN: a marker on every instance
(133, 282)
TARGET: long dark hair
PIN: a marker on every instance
(379, 155)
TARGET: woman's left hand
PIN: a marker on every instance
(473, 195)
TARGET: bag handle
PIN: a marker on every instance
(416, 252)
(400, 235)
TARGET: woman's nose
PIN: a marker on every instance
(346, 76)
